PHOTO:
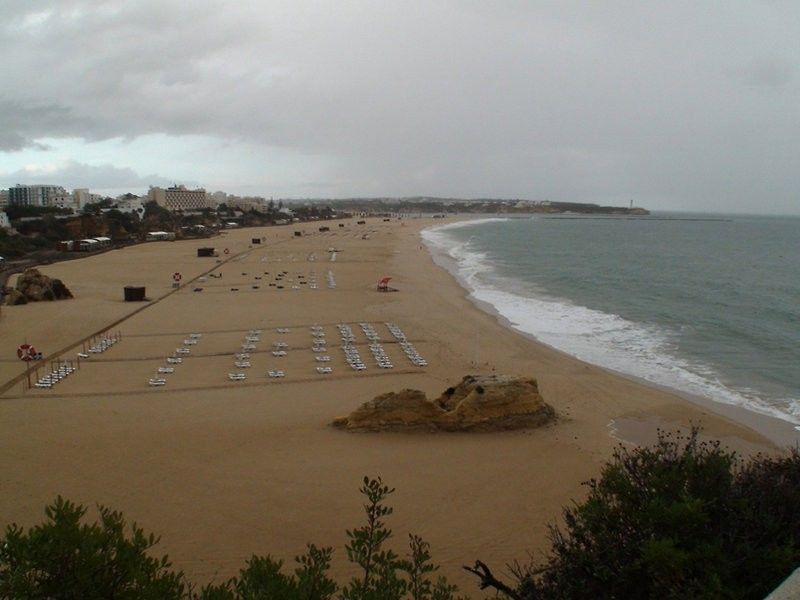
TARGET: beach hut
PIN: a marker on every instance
(88, 245)
(159, 236)
(134, 293)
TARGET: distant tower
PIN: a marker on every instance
(631, 202)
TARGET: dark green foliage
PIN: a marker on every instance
(94, 208)
(379, 577)
(19, 211)
(15, 246)
(418, 567)
(63, 559)
(682, 519)
(382, 574)
(262, 578)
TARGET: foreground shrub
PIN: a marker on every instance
(65, 559)
(681, 519)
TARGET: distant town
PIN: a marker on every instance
(36, 220)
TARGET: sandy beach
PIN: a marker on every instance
(223, 469)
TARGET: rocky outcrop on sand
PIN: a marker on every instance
(33, 286)
(477, 403)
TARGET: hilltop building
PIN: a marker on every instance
(246, 203)
(130, 203)
(35, 195)
(243, 203)
(83, 197)
(62, 199)
(179, 198)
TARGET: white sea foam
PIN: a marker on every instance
(608, 340)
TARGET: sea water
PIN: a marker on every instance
(706, 305)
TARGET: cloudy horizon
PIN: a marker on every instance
(676, 106)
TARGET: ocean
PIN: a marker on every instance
(704, 304)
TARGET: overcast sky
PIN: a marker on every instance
(677, 105)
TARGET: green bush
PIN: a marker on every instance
(65, 559)
(681, 519)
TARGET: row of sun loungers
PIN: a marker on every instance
(60, 372)
(408, 347)
(319, 348)
(242, 358)
(378, 353)
(351, 353)
(176, 359)
(331, 279)
(102, 344)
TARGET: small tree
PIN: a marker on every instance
(383, 575)
(681, 519)
(66, 560)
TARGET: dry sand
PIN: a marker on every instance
(223, 469)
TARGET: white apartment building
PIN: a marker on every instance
(4, 222)
(179, 198)
(130, 203)
(3, 198)
(62, 200)
(34, 195)
(246, 202)
(82, 197)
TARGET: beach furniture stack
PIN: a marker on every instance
(241, 359)
(375, 346)
(58, 373)
(176, 359)
(408, 347)
(319, 346)
(351, 353)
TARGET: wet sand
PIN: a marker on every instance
(223, 469)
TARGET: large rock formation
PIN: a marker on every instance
(33, 286)
(478, 403)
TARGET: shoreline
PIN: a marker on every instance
(222, 471)
(781, 432)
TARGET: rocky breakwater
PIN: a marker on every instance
(33, 286)
(477, 403)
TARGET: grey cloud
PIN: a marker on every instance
(768, 72)
(568, 99)
(97, 177)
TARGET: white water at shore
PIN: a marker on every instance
(637, 349)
